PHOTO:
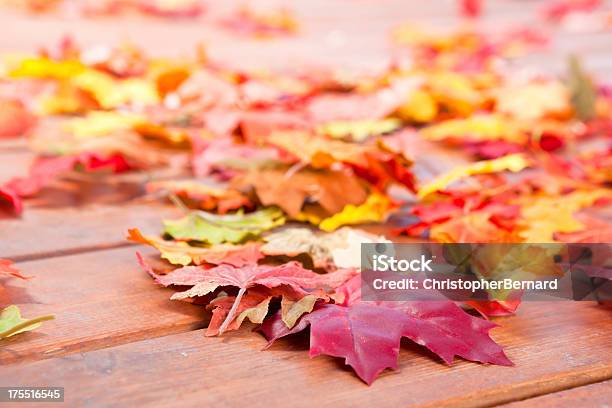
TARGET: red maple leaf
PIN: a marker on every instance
(47, 169)
(291, 279)
(367, 334)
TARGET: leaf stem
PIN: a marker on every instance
(232, 312)
(178, 203)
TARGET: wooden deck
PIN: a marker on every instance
(119, 341)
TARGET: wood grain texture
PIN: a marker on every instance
(562, 343)
(43, 232)
(596, 395)
(100, 299)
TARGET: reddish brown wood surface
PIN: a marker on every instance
(554, 345)
(119, 341)
(100, 299)
(593, 395)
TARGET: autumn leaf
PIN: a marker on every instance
(332, 190)
(583, 93)
(470, 8)
(454, 91)
(7, 269)
(111, 132)
(107, 90)
(595, 230)
(375, 209)
(477, 128)
(253, 306)
(47, 169)
(289, 280)
(358, 131)
(10, 200)
(556, 11)
(513, 163)
(46, 68)
(171, 8)
(322, 248)
(368, 335)
(538, 226)
(338, 249)
(202, 196)
(182, 253)
(255, 301)
(375, 162)
(216, 229)
(546, 99)
(291, 275)
(292, 242)
(318, 151)
(518, 262)
(472, 227)
(331, 107)
(11, 322)
(15, 119)
(494, 308)
(223, 154)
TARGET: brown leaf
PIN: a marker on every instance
(289, 190)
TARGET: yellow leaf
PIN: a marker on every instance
(292, 310)
(46, 68)
(358, 130)
(534, 101)
(420, 107)
(470, 227)
(100, 123)
(112, 93)
(476, 128)
(513, 162)
(455, 92)
(542, 217)
(375, 209)
(181, 253)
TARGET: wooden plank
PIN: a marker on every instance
(553, 344)
(100, 299)
(594, 395)
(47, 232)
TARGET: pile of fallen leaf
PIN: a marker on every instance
(270, 168)
(289, 280)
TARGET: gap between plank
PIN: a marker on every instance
(70, 251)
(529, 389)
(577, 387)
